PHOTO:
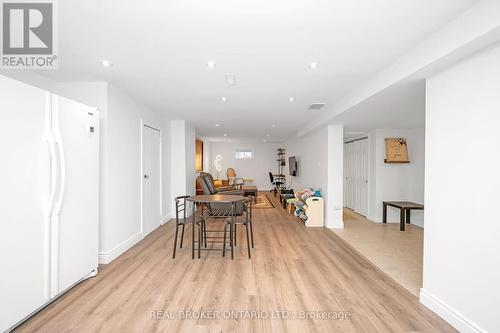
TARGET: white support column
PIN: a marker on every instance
(182, 159)
(335, 184)
(178, 159)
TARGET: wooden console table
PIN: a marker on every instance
(405, 207)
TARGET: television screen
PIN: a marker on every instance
(292, 166)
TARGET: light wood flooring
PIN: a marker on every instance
(397, 253)
(293, 268)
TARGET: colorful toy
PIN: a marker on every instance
(300, 201)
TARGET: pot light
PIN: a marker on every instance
(268, 134)
(264, 140)
(313, 65)
(217, 125)
(291, 99)
(273, 126)
(211, 64)
(224, 99)
(225, 134)
(106, 63)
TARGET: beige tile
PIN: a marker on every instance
(396, 253)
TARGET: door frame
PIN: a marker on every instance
(145, 124)
(368, 139)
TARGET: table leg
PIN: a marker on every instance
(408, 212)
(402, 219)
(231, 239)
(192, 231)
(250, 221)
(200, 230)
(384, 213)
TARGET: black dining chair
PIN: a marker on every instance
(181, 220)
(247, 222)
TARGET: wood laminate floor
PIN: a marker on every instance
(305, 271)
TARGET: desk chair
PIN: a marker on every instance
(277, 183)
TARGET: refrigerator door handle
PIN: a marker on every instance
(53, 175)
(49, 139)
(62, 160)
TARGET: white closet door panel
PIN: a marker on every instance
(78, 208)
(356, 175)
(24, 195)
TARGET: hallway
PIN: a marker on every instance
(293, 268)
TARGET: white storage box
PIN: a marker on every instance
(315, 212)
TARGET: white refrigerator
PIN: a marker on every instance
(49, 197)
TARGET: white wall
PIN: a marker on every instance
(311, 153)
(396, 182)
(461, 238)
(257, 168)
(320, 162)
(182, 163)
(121, 180)
(190, 159)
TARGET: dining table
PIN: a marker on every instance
(229, 213)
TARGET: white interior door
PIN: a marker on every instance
(356, 176)
(24, 200)
(151, 197)
(75, 223)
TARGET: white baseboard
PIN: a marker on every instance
(108, 256)
(374, 219)
(167, 217)
(451, 316)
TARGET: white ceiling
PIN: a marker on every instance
(400, 106)
(160, 49)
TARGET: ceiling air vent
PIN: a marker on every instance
(230, 79)
(316, 106)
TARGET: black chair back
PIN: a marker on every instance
(271, 177)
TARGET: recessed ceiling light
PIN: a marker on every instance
(291, 99)
(217, 125)
(273, 126)
(225, 134)
(268, 134)
(313, 65)
(211, 64)
(224, 99)
(264, 140)
(106, 63)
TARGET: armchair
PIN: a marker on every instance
(207, 184)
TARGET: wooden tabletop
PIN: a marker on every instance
(216, 198)
(404, 204)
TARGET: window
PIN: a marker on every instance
(243, 153)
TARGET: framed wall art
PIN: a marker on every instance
(396, 150)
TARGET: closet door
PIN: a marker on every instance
(24, 200)
(151, 188)
(356, 176)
